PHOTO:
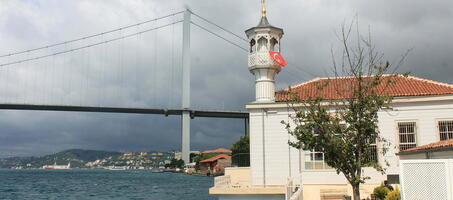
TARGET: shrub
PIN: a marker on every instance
(380, 192)
(393, 195)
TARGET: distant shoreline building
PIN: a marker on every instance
(217, 151)
(178, 155)
(215, 165)
(55, 166)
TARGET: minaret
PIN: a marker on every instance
(264, 38)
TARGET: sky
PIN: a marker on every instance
(145, 70)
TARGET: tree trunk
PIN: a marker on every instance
(356, 191)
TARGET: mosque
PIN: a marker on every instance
(421, 115)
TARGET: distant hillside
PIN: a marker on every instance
(77, 157)
(14, 161)
(86, 155)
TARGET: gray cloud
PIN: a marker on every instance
(140, 71)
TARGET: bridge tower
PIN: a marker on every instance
(185, 117)
(264, 38)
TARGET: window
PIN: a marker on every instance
(315, 160)
(252, 46)
(274, 45)
(407, 135)
(262, 44)
(373, 157)
(446, 130)
(374, 153)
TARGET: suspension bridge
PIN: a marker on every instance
(73, 70)
(108, 72)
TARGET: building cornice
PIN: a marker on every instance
(395, 101)
(439, 149)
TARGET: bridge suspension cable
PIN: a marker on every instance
(119, 38)
(219, 36)
(90, 36)
(241, 38)
(218, 26)
(90, 45)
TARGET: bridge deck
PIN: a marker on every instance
(194, 113)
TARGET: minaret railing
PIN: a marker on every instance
(261, 58)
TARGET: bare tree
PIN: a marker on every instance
(345, 129)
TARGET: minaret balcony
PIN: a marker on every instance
(261, 59)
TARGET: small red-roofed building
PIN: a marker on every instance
(437, 150)
(215, 165)
(426, 171)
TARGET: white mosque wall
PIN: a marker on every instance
(278, 161)
(330, 177)
(425, 114)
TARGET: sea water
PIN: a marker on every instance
(102, 184)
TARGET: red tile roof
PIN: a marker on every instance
(433, 146)
(218, 151)
(400, 86)
(222, 156)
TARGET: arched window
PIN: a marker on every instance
(252, 46)
(262, 44)
(274, 45)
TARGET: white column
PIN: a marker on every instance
(265, 84)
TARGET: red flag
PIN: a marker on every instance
(277, 56)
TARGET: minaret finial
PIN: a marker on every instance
(263, 11)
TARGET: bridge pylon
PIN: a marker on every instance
(185, 117)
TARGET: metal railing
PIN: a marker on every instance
(240, 160)
(293, 189)
(261, 58)
(222, 181)
(298, 195)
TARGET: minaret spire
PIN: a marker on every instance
(264, 39)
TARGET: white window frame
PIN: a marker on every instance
(439, 134)
(312, 154)
(375, 145)
(415, 143)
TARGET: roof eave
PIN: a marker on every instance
(425, 150)
(329, 102)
